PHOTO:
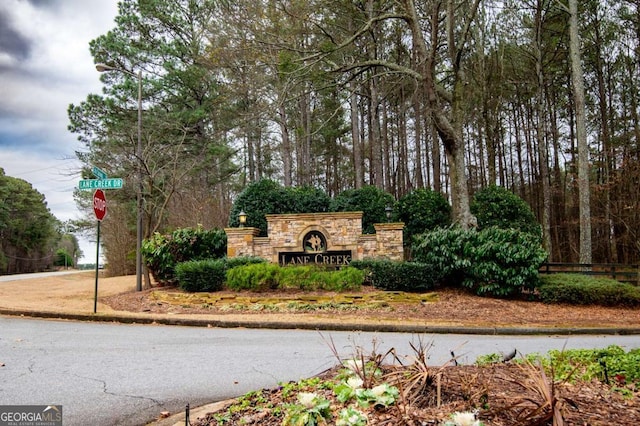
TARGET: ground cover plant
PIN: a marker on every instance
(562, 387)
(577, 289)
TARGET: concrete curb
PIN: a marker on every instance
(320, 325)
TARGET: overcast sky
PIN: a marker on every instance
(45, 65)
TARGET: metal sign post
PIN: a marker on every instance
(100, 210)
(95, 294)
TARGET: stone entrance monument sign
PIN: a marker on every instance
(332, 239)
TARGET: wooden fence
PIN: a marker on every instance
(620, 272)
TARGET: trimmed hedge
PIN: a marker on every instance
(201, 275)
(209, 274)
(576, 289)
(255, 277)
(233, 262)
(267, 276)
(398, 276)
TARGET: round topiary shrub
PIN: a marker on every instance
(423, 210)
(257, 200)
(370, 200)
(265, 197)
(497, 206)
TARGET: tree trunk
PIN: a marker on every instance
(449, 128)
(581, 135)
(542, 140)
(286, 146)
(358, 162)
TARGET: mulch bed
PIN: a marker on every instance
(450, 306)
(502, 394)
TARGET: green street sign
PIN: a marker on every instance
(99, 173)
(112, 183)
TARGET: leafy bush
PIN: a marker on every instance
(492, 262)
(267, 276)
(497, 206)
(370, 200)
(399, 276)
(253, 277)
(256, 200)
(307, 199)
(423, 210)
(366, 266)
(577, 289)
(503, 262)
(201, 275)
(232, 262)
(268, 197)
(606, 365)
(163, 252)
(311, 278)
(443, 249)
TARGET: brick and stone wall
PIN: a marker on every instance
(342, 231)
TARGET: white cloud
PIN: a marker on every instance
(45, 65)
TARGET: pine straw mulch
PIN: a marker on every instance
(504, 394)
(443, 307)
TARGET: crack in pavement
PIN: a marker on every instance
(106, 391)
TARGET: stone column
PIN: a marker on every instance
(240, 241)
(389, 240)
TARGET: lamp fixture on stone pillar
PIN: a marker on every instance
(242, 217)
(388, 210)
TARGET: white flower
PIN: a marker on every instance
(351, 417)
(354, 382)
(379, 390)
(465, 419)
(308, 399)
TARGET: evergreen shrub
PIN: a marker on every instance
(370, 200)
(232, 262)
(366, 266)
(444, 250)
(499, 207)
(201, 275)
(265, 197)
(314, 278)
(491, 262)
(577, 289)
(423, 210)
(503, 262)
(266, 276)
(254, 277)
(391, 275)
(163, 252)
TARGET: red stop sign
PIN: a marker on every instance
(99, 204)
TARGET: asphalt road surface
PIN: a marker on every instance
(17, 277)
(115, 374)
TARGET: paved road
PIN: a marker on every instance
(115, 374)
(17, 277)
